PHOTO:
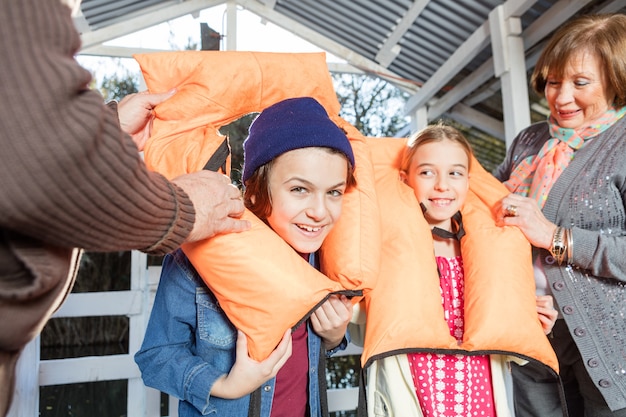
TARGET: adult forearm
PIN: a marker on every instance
(70, 176)
(91, 190)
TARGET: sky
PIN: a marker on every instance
(253, 34)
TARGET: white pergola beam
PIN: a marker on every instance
(270, 4)
(612, 7)
(537, 31)
(145, 20)
(391, 47)
(459, 59)
(554, 17)
(117, 51)
(462, 89)
(125, 52)
(470, 117)
(340, 67)
(484, 93)
(516, 8)
(490, 89)
(321, 41)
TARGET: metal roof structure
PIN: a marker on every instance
(466, 60)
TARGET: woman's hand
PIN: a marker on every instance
(330, 320)
(247, 375)
(523, 212)
(547, 313)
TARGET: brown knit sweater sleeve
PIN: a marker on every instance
(69, 176)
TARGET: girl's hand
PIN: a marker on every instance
(547, 313)
(330, 320)
(247, 375)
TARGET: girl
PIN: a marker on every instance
(436, 165)
(298, 165)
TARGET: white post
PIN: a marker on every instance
(26, 396)
(231, 25)
(419, 119)
(139, 402)
(509, 64)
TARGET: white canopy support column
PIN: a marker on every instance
(508, 60)
(419, 119)
(231, 25)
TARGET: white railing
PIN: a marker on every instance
(136, 303)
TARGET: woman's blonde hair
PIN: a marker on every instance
(602, 35)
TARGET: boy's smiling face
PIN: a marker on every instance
(306, 188)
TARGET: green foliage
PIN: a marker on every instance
(343, 371)
(349, 413)
(116, 87)
(372, 105)
(237, 132)
(101, 398)
(80, 336)
(175, 44)
(103, 271)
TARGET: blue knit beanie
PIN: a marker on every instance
(287, 125)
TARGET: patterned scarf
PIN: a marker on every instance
(536, 174)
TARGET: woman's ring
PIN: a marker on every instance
(510, 211)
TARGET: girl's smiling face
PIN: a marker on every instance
(306, 188)
(581, 95)
(439, 176)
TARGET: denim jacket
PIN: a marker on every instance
(190, 343)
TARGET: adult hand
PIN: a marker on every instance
(330, 320)
(136, 115)
(247, 375)
(547, 313)
(217, 202)
(523, 212)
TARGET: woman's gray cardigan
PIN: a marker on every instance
(589, 197)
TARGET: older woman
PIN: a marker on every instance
(568, 182)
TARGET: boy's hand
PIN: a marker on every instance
(330, 320)
(247, 375)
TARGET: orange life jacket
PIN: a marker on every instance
(261, 283)
(265, 287)
(404, 310)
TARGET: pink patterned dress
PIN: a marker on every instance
(452, 385)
